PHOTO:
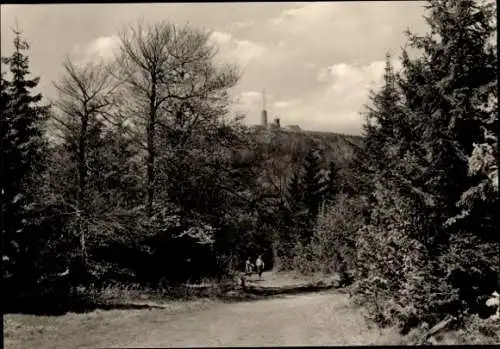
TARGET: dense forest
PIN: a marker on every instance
(137, 173)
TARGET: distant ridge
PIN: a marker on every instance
(296, 128)
(335, 146)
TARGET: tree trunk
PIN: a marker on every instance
(151, 153)
(81, 163)
(150, 171)
(439, 327)
(82, 168)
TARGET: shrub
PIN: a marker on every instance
(470, 266)
(336, 229)
(391, 275)
(475, 330)
(403, 282)
(333, 238)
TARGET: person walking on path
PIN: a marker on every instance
(248, 267)
(259, 264)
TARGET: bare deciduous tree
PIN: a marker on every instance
(173, 83)
(85, 97)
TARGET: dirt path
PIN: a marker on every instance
(311, 319)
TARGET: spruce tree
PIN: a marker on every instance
(23, 164)
(442, 90)
(22, 122)
(387, 134)
(333, 185)
(294, 194)
(306, 191)
(313, 182)
(384, 129)
(293, 210)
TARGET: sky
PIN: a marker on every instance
(317, 61)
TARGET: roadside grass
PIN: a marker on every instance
(473, 331)
(87, 330)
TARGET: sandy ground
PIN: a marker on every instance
(326, 318)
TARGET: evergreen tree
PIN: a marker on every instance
(384, 129)
(313, 182)
(294, 210)
(442, 90)
(446, 102)
(386, 133)
(23, 164)
(306, 191)
(22, 122)
(294, 194)
(333, 185)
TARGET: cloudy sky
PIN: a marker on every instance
(317, 61)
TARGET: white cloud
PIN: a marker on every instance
(284, 104)
(347, 77)
(344, 29)
(221, 38)
(239, 51)
(338, 105)
(250, 96)
(351, 79)
(242, 24)
(103, 47)
(248, 100)
(298, 20)
(246, 51)
(323, 74)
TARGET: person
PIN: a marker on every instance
(248, 267)
(259, 264)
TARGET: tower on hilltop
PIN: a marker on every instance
(264, 111)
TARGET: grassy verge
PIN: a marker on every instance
(88, 330)
(472, 331)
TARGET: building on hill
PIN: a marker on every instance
(276, 125)
(263, 120)
(331, 141)
(336, 146)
